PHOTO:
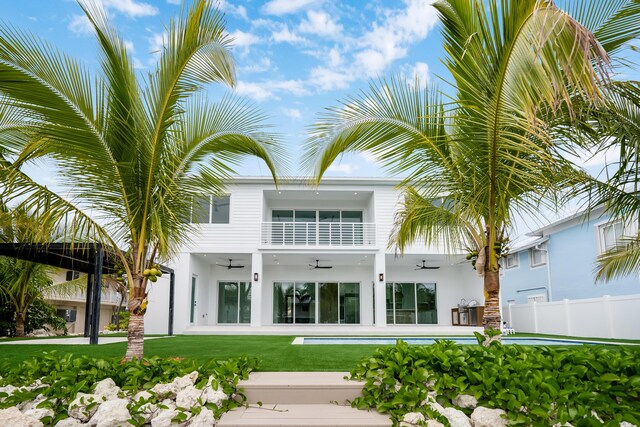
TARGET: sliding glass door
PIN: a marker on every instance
(234, 302)
(337, 303)
(411, 303)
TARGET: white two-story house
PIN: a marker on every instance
(300, 259)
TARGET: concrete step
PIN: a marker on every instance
(296, 388)
(325, 415)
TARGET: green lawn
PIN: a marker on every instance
(276, 352)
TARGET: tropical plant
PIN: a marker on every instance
(496, 148)
(615, 125)
(131, 152)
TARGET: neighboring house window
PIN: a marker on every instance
(538, 256)
(536, 298)
(610, 235)
(72, 275)
(512, 260)
(210, 210)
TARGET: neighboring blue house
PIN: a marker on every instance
(558, 261)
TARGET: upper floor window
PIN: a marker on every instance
(610, 235)
(316, 216)
(512, 261)
(538, 256)
(211, 210)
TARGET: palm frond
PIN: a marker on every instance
(622, 260)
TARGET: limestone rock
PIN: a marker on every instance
(84, 406)
(170, 404)
(112, 413)
(465, 401)
(627, 424)
(411, 419)
(144, 394)
(32, 404)
(164, 390)
(107, 388)
(434, 423)
(214, 396)
(70, 422)
(188, 397)
(204, 419)
(456, 417)
(40, 413)
(188, 380)
(13, 417)
(165, 417)
(485, 417)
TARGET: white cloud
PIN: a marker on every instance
(131, 8)
(270, 89)
(174, 1)
(242, 39)
(156, 42)
(283, 7)
(369, 157)
(130, 46)
(329, 79)
(260, 66)
(80, 25)
(320, 23)
(371, 62)
(345, 168)
(419, 70)
(335, 58)
(285, 36)
(293, 113)
(256, 91)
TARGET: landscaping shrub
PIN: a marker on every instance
(67, 375)
(537, 386)
(40, 314)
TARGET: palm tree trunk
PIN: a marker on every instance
(135, 337)
(492, 317)
(19, 325)
(135, 331)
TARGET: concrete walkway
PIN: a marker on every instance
(70, 340)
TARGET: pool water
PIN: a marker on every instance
(428, 341)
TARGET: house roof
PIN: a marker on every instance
(341, 180)
(528, 243)
(580, 213)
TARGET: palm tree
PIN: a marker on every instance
(495, 146)
(130, 153)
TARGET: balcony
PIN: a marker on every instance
(109, 296)
(319, 234)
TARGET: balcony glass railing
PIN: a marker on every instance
(318, 234)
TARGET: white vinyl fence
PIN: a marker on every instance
(605, 317)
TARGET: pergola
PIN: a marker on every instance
(91, 258)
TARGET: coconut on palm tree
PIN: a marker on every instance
(130, 152)
(494, 147)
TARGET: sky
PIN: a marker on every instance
(294, 58)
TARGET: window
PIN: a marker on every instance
(220, 210)
(512, 261)
(72, 275)
(610, 235)
(538, 256)
(411, 303)
(210, 210)
(312, 302)
(234, 302)
(316, 227)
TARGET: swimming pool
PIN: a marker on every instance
(431, 340)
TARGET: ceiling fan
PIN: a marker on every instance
(424, 267)
(313, 267)
(230, 266)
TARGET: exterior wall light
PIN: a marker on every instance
(255, 277)
(381, 277)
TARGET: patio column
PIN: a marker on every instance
(380, 289)
(256, 289)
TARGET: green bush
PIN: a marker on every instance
(67, 375)
(39, 315)
(123, 324)
(537, 386)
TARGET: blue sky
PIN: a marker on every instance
(294, 57)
